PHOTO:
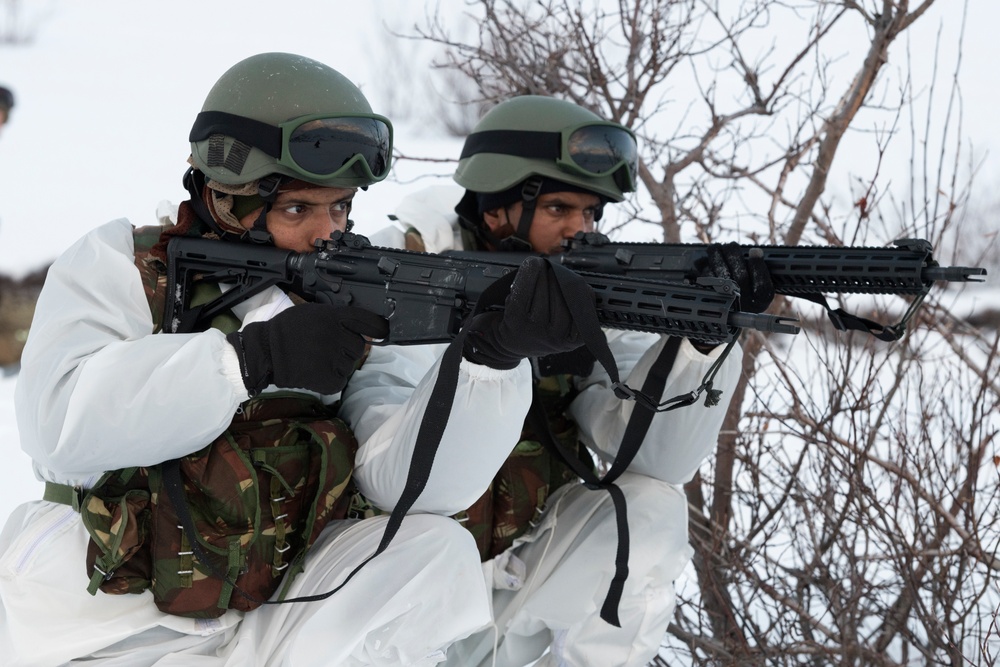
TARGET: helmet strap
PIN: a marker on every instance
(267, 189)
(471, 220)
(518, 241)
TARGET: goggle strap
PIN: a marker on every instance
(519, 143)
(262, 136)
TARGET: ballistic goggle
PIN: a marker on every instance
(315, 146)
(592, 149)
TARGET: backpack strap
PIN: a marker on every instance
(64, 494)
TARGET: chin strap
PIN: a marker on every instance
(194, 183)
(518, 241)
(267, 189)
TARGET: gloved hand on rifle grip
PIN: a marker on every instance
(535, 322)
(310, 346)
(727, 260)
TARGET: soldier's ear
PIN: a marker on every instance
(495, 219)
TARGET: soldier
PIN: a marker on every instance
(194, 480)
(17, 306)
(6, 104)
(537, 171)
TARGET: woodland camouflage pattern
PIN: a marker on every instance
(259, 495)
(516, 497)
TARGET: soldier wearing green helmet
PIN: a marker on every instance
(529, 146)
(312, 129)
(534, 172)
(196, 480)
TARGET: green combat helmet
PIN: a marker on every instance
(529, 142)
(287, 114)
(274, 118)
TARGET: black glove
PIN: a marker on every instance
(310, 346)
(535, 321)
(749, 273)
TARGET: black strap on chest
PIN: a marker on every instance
(635, 433)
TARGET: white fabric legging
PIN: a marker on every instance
(403, 608)
(568, 564)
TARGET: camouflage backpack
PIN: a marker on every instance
(258, 498)
(255, 499)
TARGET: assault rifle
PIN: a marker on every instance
(800, 271)
(426, 297)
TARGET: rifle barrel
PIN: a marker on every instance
(955, 274)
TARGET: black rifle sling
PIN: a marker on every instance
(845, 321)
(647, 404)
(425, 449)
(581, 305)
(635, 433)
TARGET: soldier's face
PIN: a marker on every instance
(299, 217)
(558, 216)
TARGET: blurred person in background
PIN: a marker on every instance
(6, 104)
(17, 296)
